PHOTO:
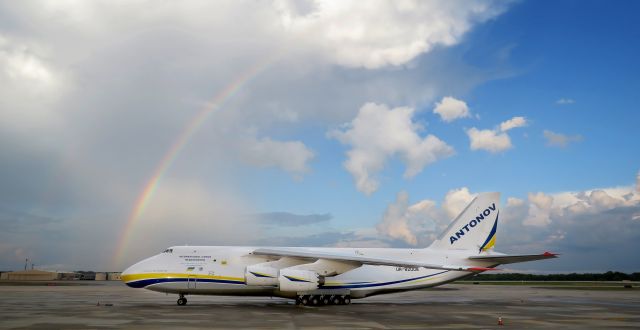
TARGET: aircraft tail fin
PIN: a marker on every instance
(474, 228)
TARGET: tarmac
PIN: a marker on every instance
(107, 305)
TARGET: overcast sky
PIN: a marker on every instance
(316, 123)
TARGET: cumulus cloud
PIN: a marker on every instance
(456, 200)
(382, 33)
(539, 209)
(494, 140)
(514, 202)
(395, 222)
(560, 140)
(378, 133)
(402, 221)
(450, 109)
(488, 140)
(513, 123)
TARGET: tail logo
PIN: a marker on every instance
(474, 222)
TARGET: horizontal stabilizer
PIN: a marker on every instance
(510, 259)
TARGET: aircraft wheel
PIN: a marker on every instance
(335, 300)
(347, 300)
(315, 301)
(304, 300)
(182, 301)
(326, 300)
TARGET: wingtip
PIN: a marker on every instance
(550, 254)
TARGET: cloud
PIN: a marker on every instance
(488, 140)
(382, 33)
(638, 182)
(395, 222)
(26, 71)
(415, 224)
(513, 123)
(539, 209)
(456, 200)
(450, 109)
(494, 140)
(378, 133)
(278, 219)
(560, 140)
(594, 230)
(290, 156)
(565, 101)
(110, 89)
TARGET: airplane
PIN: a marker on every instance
(330, 276)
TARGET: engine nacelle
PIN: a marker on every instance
(261, 275)
(299, 280)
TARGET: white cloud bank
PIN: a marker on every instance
(450, 109)
(378, 133)
(594, 230)
(374, 34)
(494, 140)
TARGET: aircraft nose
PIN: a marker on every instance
(129, 276)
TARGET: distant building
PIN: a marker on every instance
(101, 277)
(114, 276)
(31, 275)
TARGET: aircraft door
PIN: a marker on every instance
(192, 281)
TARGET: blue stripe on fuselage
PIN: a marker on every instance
(151, 281)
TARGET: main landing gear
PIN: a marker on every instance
(320, 300)
(182, 300)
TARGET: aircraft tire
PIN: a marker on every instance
(335, 300)
(315, 300)
(347, 300)
(304, 300)
(182, 301)
(325, 300)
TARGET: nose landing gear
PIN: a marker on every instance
(182, 300)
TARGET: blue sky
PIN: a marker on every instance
(96, 93)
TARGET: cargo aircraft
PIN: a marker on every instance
(330, 276)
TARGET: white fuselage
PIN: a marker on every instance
(220, 270)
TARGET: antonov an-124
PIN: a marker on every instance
(316, 276)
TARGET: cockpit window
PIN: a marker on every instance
(168, 251)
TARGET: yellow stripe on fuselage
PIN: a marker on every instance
(148, 276)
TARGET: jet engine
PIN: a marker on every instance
(299, 280)
(261, 275)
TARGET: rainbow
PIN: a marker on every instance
(178, 145)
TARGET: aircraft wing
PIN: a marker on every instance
(362, 259)
(510, 259)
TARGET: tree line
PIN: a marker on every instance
(608, 276)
